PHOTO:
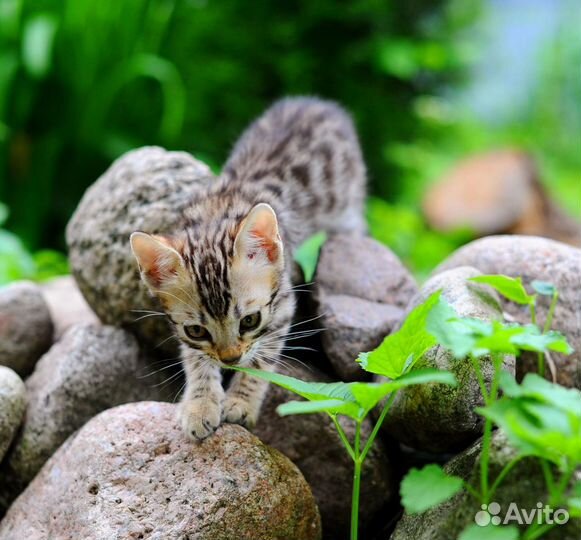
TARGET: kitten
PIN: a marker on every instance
(224, 277)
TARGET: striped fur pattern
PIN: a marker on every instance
(224, 277)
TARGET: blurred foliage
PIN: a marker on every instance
(402, 229)
(17, 263)
(82, 82)
(549, 126)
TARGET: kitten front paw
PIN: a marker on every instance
(239, 411)
(200, 418)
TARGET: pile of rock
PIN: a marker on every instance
(86, 467)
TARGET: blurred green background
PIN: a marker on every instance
(427, 81)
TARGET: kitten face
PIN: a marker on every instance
(229, 302)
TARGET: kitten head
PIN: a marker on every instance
(226, 293)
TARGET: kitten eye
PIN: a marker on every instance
(250, 322)
(197, 332)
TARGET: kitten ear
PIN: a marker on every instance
(158, 261)
(258, 236)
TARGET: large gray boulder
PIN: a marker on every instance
(92, 368)
(131, 473)
(440, 418)
(26, 329)
(311, 442)
(12, 406)
(534, 258)
(361, 289)
(144, 190)
(525, 486)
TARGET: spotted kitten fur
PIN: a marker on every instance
(224, 277)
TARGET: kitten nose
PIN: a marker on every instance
(230, 359)
(230, 355)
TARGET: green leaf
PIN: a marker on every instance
(333, 406)
(544, 287)
(531, 339)
(574, 501)
(511, 288)
(425, 488)
(401, 350)
(37, 43)
(368, 395)
(338, 392)
(307, 254)
(472, 336)
(540, 418)
(489, 532)
(15, 262)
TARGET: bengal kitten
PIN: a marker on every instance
(224, 277)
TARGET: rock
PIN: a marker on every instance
(473, 195)
(534, 259)
(144, 190)
(12, 406)
(525, 486)
(361, 289)
(130, 473)
(89, 370)
(311, 442)
(353, 325)
(356, 266)
(439, 418)
(66, 304)
(26, 328)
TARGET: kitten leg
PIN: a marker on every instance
(245, 396)
(201, 407)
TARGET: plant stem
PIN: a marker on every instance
(380, 420)
(541, 364)
(356, 483)
(480, 378)
(343, 437)
(533, 312)
(547, 473)
(484, 458)
(487, 437)
(551, 312)
(506, 469)
(556, 494)
(472, 491)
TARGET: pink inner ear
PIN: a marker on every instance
(267, 244)
(157, 275)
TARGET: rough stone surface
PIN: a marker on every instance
(26, 328)
(66, 304)
(89, 370)
(525, 486)
(474, 195)
(144, 190)
(362, 267)
(361, 288)
(12, 406)
(353, 325)
(532, 259)
(130, 473)
(441, 418)
(312, 443)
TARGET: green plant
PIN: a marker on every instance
(394, 359)
(17, 263)
(540, 418)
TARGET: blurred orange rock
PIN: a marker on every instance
(497, 192)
